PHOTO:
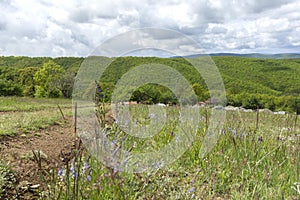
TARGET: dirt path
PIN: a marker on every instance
(18, 152)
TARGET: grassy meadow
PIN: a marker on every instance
(24, 114)
(256, 157)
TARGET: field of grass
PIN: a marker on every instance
(21, 115)
(8, 104)
(256, 157)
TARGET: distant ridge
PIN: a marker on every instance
(249, 55)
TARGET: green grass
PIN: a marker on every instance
(8, 104)
(7, 181)
(21, 115)
(246, 163)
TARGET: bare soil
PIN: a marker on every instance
(50, 144)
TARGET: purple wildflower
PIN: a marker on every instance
(113, 143)
(61, 173)
(99, 89)
(192, 190)
(73, 172)
(116, 169)
(88, 178)
(86, 166)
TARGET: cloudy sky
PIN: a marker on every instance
(75, 28)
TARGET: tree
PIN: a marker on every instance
(9, 82)
(66, 84)
(200, 91)
(9, 88)
(26, 79)
(252, 101)
(48, 80)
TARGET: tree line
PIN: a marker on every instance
(249, 82)
(48, 81)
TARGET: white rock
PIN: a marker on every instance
(280, 113)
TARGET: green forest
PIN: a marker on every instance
(250, 82)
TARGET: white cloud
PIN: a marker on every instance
(76, 28)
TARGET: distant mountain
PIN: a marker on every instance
(250, 55)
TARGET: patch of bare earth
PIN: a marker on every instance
(33, 153)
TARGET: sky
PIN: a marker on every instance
(76, 28)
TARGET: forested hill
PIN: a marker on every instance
(276, 76)
(251, 55)
(19, 62)
(271, 83)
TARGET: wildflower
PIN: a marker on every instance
(61, 173)
(260, 139)
(86, 167)
(116, 168)
(88, 178)
(113, 143)
(192, 190)
(73, 172)
(99, 89)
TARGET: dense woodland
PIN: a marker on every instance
(250, 82)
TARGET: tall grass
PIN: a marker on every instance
(248, 162)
